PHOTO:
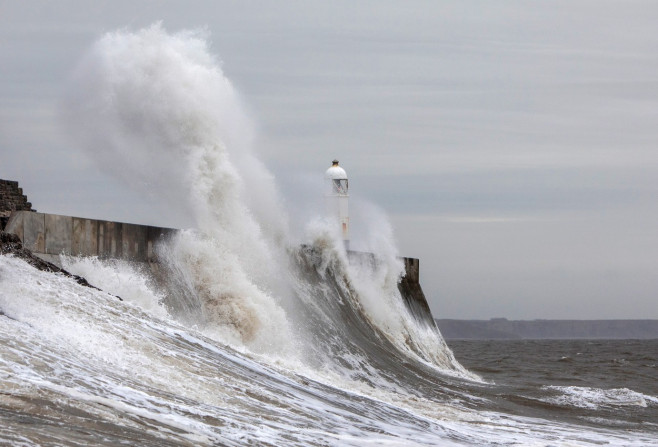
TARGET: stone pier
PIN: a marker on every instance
(49, 235)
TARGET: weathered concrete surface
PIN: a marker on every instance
(34, 231)
(415, 298)
(85, 237)
(59, 233)
(49, 235)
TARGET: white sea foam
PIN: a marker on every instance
(587, 397)
(155, 110)
(371, 280)
(120, 278)
(79, 351)
(233, 307)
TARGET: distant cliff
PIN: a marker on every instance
(502, 328)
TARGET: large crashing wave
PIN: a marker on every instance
(157, 112)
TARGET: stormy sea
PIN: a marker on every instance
(256, 327)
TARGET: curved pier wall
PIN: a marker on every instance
(49, 235)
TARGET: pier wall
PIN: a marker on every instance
(49, 235)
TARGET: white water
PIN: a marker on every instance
(156, 111)
(587, 397)
(113, 372)
(250, 339)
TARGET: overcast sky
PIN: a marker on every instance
(513, 144)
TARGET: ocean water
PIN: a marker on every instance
(80, 367)
(257, 329)
(600, 383)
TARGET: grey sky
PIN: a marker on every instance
(514, 144)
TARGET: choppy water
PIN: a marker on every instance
(245, 338)
(78, 366)
(601, 383)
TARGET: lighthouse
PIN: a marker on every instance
(336, 197)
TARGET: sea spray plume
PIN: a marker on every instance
(155, 110)
(156, 107)
(233, 307)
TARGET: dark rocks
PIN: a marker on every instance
(12, 198)
(10, 239)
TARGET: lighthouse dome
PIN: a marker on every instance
(335, 172)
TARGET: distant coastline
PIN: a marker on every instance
(504, 329)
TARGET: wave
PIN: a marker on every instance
(594, 398)
(155, 109)
(79, 366)
(243, 333)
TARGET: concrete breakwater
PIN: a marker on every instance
(49, 235)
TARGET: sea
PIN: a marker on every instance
(255, 327)
(79, 366)
(597, 383)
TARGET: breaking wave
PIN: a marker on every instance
(240, 334)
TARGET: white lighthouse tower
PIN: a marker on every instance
(336, 197)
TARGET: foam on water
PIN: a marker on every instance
(246, 337)
(587, 397)
(121, 278)
(369, 285)
(232, 306)
(115, 374)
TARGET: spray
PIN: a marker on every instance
(155, 110)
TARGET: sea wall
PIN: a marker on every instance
(49, 235)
